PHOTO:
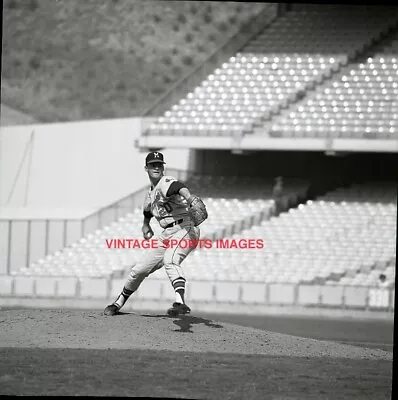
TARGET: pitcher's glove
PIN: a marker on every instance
(197, 210)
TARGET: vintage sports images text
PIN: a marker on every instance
(185, 243)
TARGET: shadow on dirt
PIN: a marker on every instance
(186, 322)
(125, 313)
(120, 313)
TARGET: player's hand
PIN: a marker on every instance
(147, 231)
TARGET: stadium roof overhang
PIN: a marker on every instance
(252, 142)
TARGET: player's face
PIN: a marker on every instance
(155, 170)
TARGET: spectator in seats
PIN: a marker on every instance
(379, 296)
(383, 283)
(277, 193)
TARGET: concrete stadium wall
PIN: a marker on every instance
(52, 180)
(74, 165)
(46, 237)
(255, 296)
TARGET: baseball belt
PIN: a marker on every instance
(174, 223)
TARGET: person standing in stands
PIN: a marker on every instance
(277, 193)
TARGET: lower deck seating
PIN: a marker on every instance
(237, 204)
(346, 237)
(347, 232)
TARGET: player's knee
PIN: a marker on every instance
(137, 272)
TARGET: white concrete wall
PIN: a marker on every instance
(249, 297)
(78, 165)
(66, 171)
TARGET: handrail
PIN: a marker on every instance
(229, 47)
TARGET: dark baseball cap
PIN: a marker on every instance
(153, 157)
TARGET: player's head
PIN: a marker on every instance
(154, 164)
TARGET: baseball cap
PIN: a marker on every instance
(153, 157)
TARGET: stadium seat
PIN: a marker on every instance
(313, 50)
(236, 204)
(339, 238)
(360, 103)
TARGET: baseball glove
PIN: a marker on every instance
(197, 210)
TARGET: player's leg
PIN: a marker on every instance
(152, 260)
(186, 240)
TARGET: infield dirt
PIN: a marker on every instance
(72, 352)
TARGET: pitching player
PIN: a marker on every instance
(179, 213)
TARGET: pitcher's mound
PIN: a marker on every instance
(93, 330)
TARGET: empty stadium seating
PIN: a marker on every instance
(251, 203)
(346, 237)
(328, 252)
(371, 278)
(297, 52)
(346, 233)
(360, 103)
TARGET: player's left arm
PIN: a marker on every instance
(171, 186)
(178, 187)
(196, 207)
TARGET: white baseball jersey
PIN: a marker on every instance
(165, 209)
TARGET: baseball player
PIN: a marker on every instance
(179, 213)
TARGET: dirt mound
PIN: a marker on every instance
(92, 330)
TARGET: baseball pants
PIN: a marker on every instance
(173, 246)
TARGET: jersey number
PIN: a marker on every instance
(164, 209)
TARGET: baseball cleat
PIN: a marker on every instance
(178, 308)
(112, 309)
